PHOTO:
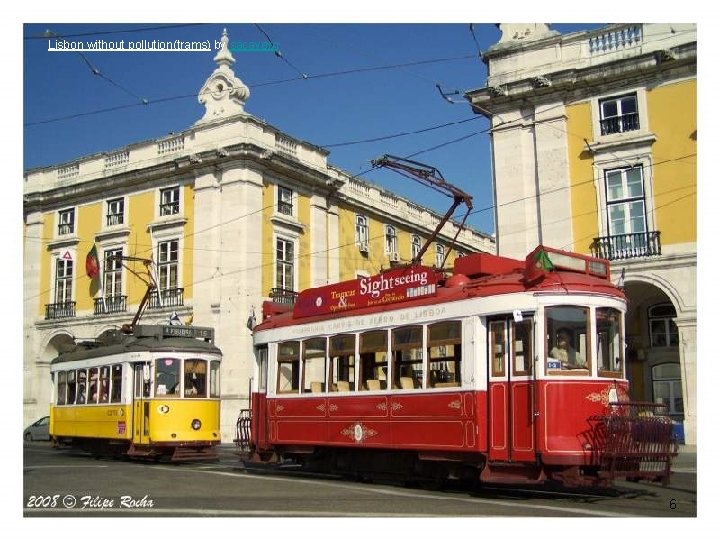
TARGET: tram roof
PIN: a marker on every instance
(475, 276)
(145, 338)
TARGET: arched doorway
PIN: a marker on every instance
(655, 363)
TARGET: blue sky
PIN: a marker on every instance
(69, 111)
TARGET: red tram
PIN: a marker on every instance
(505, 371)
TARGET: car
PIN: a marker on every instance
(38, 431)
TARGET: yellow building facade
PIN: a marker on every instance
(221, 217)
(594, 138)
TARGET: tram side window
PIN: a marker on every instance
(407, 355)
(167, 377)
(342, 363)
(373, 360)
(195, 378)
(522, 350)
(314, 356)
(288, 358)
(609, 342)
(568, 338)
(214, 379)
(444, 354)
(71, 387)
(116, 386)
(497, 348)
(61, 387)
(104, 384)
(94, 383)
(81, 386)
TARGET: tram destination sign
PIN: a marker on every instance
(390, 287)
(187, 331)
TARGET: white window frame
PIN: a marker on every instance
(361, 230)
(115, 273)
(625, 200)
(111, 212)
(618, 100)
(66, 218)
(667, 320)
(285, 201)
(619, 159)
(63, 286)
(415, 246)
(163, 283)
(293, 263)
(673, 384)
(391, 240)
(641, 100)
(439, 254)
(175, 201)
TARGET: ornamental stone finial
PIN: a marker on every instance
(223, 94)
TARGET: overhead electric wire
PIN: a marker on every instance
(123, 31)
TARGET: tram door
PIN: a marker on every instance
(511, 389)
(141, 403)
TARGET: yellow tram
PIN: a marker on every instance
(153, 393)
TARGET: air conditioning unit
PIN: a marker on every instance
(394, 256)
(363, 247)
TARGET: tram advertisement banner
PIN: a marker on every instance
(389, 287)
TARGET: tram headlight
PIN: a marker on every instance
(196, 424)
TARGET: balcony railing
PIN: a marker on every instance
(620, 124)
(283, 296)
(166, 298)
(59, 310)
(627, 246)
(114, 219)
(111, 304)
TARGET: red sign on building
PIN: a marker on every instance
(387, 288)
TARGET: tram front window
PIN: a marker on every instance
(609, 342)
(167, 377)
(568, 333)
(195, 378)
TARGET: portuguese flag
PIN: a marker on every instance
(92, 266)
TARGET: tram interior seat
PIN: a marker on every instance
(316, 387)
(407, 383)
(343, 386)
(447, 384)
(373, 384)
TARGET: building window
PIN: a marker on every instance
(112, 274)
(115, 212)
(361, 231)
(66, 221)
(170, 201)
(626, 201)
(416, 246)
(667, 387)
(619, 114)
(390, 239)
(168, 266)
(439, 255)
(663, 330)
(284, 201)
(63, 281)
(284, 264)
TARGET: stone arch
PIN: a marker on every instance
(54, 344)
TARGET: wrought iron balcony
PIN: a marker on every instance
(111, 304)
(59, 310)
(620, 124)
(627, 246)
(283, 296)
(166, 298)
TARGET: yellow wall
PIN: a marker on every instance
(672, 111)
(583, 196)
(140, 210)
(268, 243)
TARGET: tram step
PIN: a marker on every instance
(512, 473)
(194, 454)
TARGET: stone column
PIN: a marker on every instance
(687, 329)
